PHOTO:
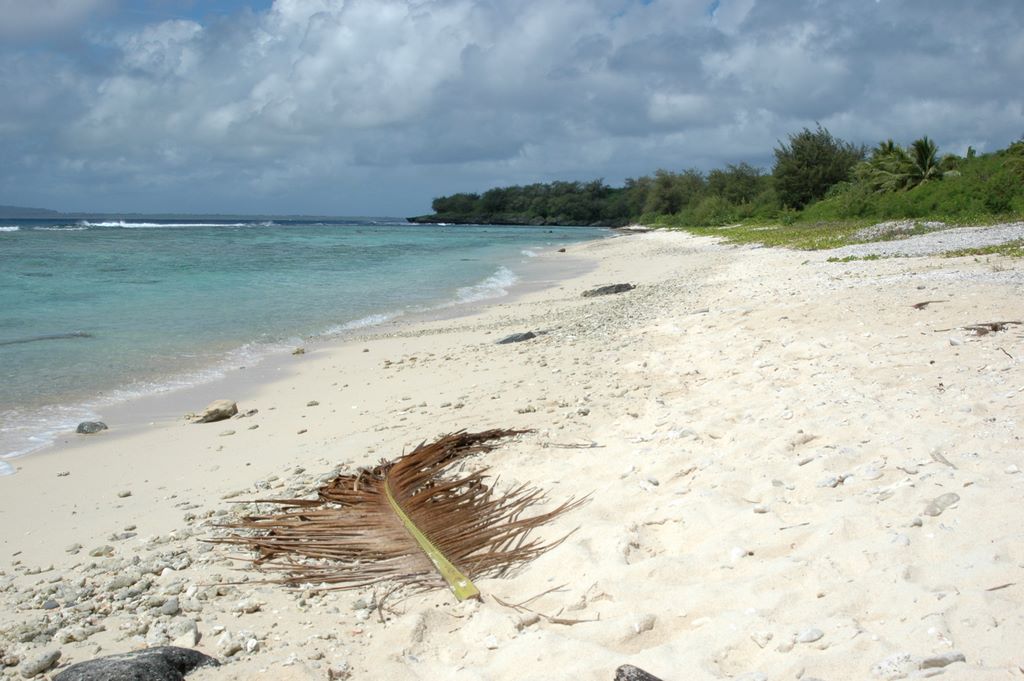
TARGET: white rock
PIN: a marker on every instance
(248, 606)
(809, 635)
(940, 503)
(895, 666)
(39, 664)
(738, 553)
(642, 623)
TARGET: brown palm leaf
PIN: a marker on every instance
(410, 520)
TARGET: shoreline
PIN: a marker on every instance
(127, 410)
(764, 436)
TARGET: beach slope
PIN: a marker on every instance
(797, 469)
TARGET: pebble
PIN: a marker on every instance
(943, 660)
(895, 666)
(124, 493)
(248, 606)
(761, 638)
(1012, 469)
(738, 553)
(39, 664)
(833, 480)
(940, 503)
(809, 635)
(643, 623)
(760, 508)
(312, 403)
(226, 433)
(102, 551)
(170, 606)
(870, 473)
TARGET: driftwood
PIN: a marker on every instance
(983, 328)
(925, 303)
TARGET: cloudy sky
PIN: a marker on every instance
(373, 107)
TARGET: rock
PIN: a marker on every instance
(217, 411)
(231, 643)
(608, 290)
(102, 551)
(561, 250)
(299, 351)
(642, 623)
(165, 663)
(170, 606)
(628, 672)
(809, 635)
(893, 667)
(248, 606)
(185, 632)
(517, 338)
(124, 494)
(90, 427)
(312, 403)
(939, 504)
(39, 664)
(938, 661)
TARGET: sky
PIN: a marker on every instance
(374, 107)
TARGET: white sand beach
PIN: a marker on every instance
(762, 434)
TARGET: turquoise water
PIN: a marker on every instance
(95, 312)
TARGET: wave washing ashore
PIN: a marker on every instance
(96, 312)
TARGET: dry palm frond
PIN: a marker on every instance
(410, 520)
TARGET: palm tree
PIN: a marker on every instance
(887, 168)
(924, 157)
(892, 168)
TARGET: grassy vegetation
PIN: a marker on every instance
(804, 237)
(855, 258)
(1013, 249)
(820, 194)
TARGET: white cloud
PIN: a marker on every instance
(440, 93)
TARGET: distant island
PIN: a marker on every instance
(15, 212)
(23, 213)
(816, 177)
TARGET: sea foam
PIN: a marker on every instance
(124, 224)
(494, 286)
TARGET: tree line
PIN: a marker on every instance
(815, 176)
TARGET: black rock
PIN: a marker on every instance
(626, 672)
(517, 338)
(90, 427)
(165, 663)
(608, 290)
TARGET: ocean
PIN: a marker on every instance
(96, 312)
